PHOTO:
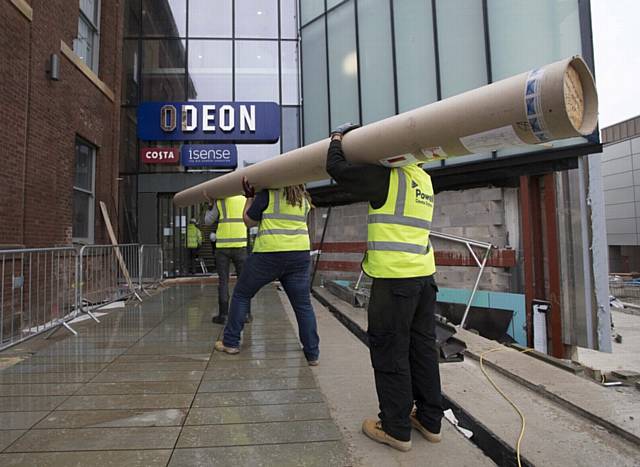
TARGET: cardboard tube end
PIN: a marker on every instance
(580, 97)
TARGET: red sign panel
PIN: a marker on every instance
(160, 155)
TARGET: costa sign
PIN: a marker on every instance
(250, 122)
(159, 155)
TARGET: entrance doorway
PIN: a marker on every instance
(172, 225)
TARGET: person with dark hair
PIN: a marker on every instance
(401, 313)
(280, 252)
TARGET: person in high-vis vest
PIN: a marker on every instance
(280, 252)
(194, 240)
(231, 247)
(401, 312)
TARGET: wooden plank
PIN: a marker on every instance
(114, 242)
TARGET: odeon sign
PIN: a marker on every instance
(240, 122)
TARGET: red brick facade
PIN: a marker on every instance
(41, 119)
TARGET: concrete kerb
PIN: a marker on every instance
(471, 339)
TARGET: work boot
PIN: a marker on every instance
(315, 362)
(220, 319)
(429, 436)
(248, 318)
(220, 347)
(373, 429)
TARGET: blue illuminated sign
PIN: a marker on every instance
(219, 156)
(241, 122)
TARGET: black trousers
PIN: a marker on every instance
(193, 258)
(224, 257)
(404, 354)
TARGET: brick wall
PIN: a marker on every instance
(485, 214)
(42, 118)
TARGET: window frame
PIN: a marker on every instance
(94, 27)
(90, 238)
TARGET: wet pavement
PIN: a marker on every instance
(144, 387)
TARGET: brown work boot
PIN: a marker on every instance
(431, 437)
(220, 347)
(373, 429)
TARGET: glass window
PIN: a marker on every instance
(290, 128)
(461, 46)
(289, 19)
(314, 84)
(332, 3)
(310, 9)
(210, 70)
(130, 70)
(249, 154)
(257, 71)
(83, 192)
(132, 20)
(87, 42)
(415, 54)
(209, 18)
(376, 60)
(163, 69)
(343, 65)
(128, 141)
(523, 38)
(164, 18)
(256, 18)
(290, 72)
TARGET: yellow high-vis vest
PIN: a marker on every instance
(398, 232)
(232, 233)
(194, 236)
(283, 227)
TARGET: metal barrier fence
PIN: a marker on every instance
(151, 266)
(625, 290)
(37, 291)
(42, 289)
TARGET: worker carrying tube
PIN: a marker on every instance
(231, 247)
(401, 313)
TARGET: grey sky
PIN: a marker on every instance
(616, 40)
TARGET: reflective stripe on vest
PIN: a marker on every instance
(398, 232)
(232, 233)
(283, 227)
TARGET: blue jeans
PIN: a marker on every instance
(260, 269)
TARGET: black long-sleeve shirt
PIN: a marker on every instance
(367, 181)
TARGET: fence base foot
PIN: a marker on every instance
(57, 328)
(92, 316)
(135, 294)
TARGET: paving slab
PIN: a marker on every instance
(51, 389)
(96, 439)
(317, 454)
(9, 436)
(133, 376)
(146, 458)
(292, 396)
(266, 363)
(201, 357)
(31, 367)
(128, 401)
(113, 418)
(20, 420)
(258, 414)
(37, 378)
(213, 385)
(30, 403)
(221, 374)
(154, 366)
(144, 387)
(259, 433)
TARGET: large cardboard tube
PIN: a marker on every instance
(553, 102)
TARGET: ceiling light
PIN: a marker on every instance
(259, 12)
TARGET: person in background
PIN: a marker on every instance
(401, 313)
(194, 240)
(281, 252)
(231, 247)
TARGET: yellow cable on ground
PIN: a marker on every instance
(522, 417)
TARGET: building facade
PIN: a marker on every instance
(61, 79)
(198, 51)
(621, 183)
